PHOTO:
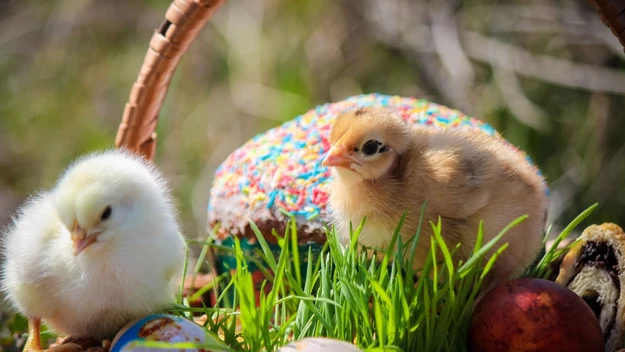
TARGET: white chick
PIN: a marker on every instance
(383, 166)
(100, 249)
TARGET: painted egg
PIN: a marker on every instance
(144, 335)
(527, 315)
(318, 344)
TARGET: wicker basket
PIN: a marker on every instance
(612, 13)
(183, 21)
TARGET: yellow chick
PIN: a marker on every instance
(383, 166)
(100, 249)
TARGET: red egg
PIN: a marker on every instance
(534, 315)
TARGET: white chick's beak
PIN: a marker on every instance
(80, 240)
(339, 157)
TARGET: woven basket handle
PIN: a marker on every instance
(183, 20)
(612, 13)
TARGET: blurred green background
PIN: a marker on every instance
(548, 75)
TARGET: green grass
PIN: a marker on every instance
(543, 269)
(344, 295)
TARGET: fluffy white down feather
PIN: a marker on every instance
(128, 273)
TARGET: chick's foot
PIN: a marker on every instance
(71, 344)
(33, 343)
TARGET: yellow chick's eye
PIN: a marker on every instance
(106, 214)
(371, 147)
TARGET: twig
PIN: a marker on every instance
(524, 110)
(543, 67)
(447, 45)
(584, 25)
(505, 56)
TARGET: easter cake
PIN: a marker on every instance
(595, 269)
(277, 175)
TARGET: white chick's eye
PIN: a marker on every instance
(372, 147)
(106, 214)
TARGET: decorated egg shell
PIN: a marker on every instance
(164, 328)
(319, 344)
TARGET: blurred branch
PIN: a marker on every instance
(535, 11)
(584, 25)
(522, 108)
(543, 67)
(609, 163)
(62, 20)
(447, 43)
(16, 28)
(567, 186)
(502, 55)
(451, 54)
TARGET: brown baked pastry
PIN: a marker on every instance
(595, 269)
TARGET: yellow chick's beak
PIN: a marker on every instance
(80, 240)
(338, 157)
